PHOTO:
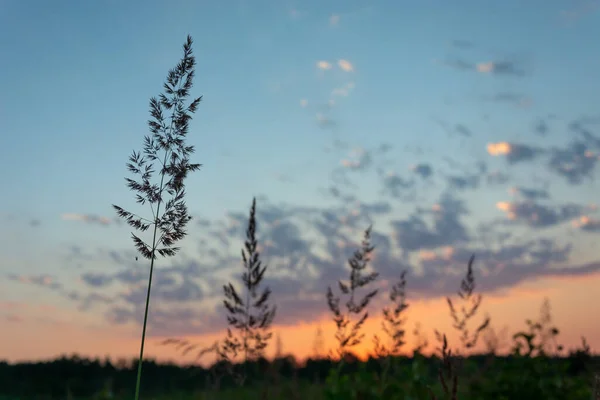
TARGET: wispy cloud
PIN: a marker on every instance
(89, 218)
(343, 90)
(580, 9)
(462, 44)
(529, 193)
(503, 67)
(297, 14)
(38, 280)
(359, 159)
(517, 99)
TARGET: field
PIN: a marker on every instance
(481, 377)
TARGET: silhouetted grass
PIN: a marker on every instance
(165, 148)
(348, 332)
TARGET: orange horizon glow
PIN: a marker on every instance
(507, 308)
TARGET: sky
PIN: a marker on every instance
(453, 128)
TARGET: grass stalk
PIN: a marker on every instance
(168, 227)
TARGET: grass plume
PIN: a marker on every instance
(393, 322)
(348, 332)
(468, 310)
(249, 318)
(164, 150)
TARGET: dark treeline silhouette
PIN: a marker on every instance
(76, 377)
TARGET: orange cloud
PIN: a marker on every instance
(485, 67)
(345, 65)
(585, 221)
(500, 148)
(508, 208)
(427, 255)
(324, 65)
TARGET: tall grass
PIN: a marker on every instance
(348, 332)
(164, 150)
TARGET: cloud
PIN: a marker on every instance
(359, 159)
(514, 152)
(579, 10)
(497, 178)
(517, 99)
(541, 128)
(91, 300)
(458, 64)
(463, 130)
(306, 249)
(13, 318)
(344, 90)
(89, 218)
(324, 65)
(345, 65)
(585, 223)
(501, 268)
(172, 292)
(423, 170)
(414, 233)
(573, 163)
(397, 187)
(504, 67)
(297, 14)
(96, 280)
(471, 177)
(37, 280)
(463, 182)
(500, 68)
(462, 44)
(530, 194)
(281, 177)
(537, 215)
(324, 121)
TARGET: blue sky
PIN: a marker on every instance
(310, 106)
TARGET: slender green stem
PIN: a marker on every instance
(153, 253)
(139, 369)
